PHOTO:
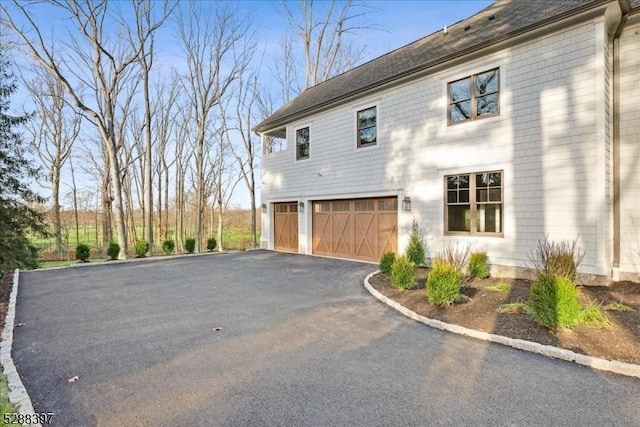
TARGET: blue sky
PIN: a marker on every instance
(397, 24)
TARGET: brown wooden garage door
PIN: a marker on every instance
(362, 229)
(285, 227)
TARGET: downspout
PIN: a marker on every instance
(615, 139)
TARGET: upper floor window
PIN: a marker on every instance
(474, 203)
(367, 129)
(474, 97)
(302, 143)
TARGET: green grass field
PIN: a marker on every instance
(233, 240)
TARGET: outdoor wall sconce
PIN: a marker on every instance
(301, 207)
(406, 204)
(263, 207)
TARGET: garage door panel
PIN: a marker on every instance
(342, 237)
(360, 229)
(366, 235)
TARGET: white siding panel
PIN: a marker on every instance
(630, 149)
(544, 139)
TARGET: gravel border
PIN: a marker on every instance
(622, 368)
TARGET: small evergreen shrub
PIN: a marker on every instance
(387, 262)
(168, 246)
(556, 258)
(478, 266)
(190, 245)
(443, 283)
(83, 252)
(554, 302)
(403, 274)
(142, 247)
(113, 250)
(415, 248)
(211, 243)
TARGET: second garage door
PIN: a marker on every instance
(362, 229)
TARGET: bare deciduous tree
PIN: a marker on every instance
(146, 23)
(209, 37)
(102, 64)
(323, 49)
(54, 130)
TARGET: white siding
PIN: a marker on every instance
(630, 149)
(546, 140)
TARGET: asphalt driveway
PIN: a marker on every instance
(298, 342)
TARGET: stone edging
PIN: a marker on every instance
(17, 393)
(621, 368)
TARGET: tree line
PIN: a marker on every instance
(171, 140)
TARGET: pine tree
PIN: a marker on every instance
(17, 217)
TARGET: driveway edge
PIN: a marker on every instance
(17, 393)
(628, 369)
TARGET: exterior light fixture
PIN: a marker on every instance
(406, 204)
(264, 208)
(301, 207)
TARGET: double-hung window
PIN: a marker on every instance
(302, 143)
(367, 127)
(474, 203)
(474, 97)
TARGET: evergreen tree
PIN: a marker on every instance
(17, 216)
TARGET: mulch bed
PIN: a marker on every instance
(621, 342)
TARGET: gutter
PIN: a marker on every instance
(615, 139)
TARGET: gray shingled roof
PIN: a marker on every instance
(510, 18)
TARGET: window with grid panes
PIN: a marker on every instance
(474, 203)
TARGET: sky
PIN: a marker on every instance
(396, 23)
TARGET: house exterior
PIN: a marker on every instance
(520, 122)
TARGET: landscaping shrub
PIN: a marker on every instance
(556, 258)
(190, 245)
(142, 247)
(113, 250)
(443, 283)
(415, 248)
(168, 246)
(403, 273)
(387, 262)
(456, 256)
(211, 243)
(83, 252)
(478, 266)
(554, 302)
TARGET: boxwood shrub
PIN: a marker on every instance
(83, 252)
(190, 245)
(168, 246)
(113, 250)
